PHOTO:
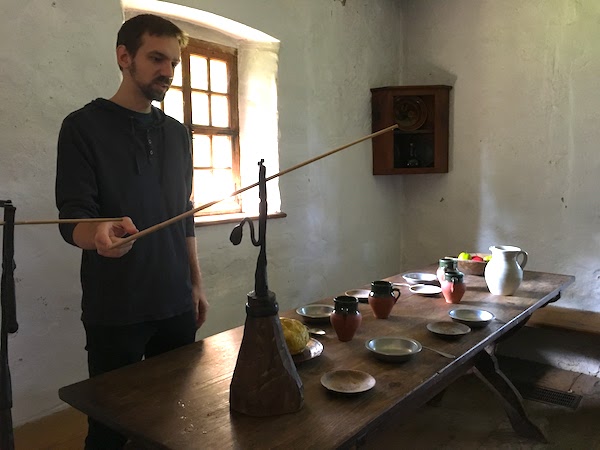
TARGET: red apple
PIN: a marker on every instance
(477, 258)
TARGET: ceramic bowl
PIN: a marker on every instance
(313, 349)
(315, 312)
(394, 349)
(427, 290)
(420, 278)
(361, 294)
(469, 267)
(450, 330)
(475, 318)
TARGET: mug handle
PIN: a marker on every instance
(396, 297)
(524, 254)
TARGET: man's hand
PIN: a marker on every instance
(109, 233)
(198, 295)
(101, 236)
(201, 304)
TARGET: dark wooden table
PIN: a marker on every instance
(180, 400)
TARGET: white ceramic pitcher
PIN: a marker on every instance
(503, 274)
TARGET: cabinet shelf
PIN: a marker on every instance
(427, 131)
(420, 144)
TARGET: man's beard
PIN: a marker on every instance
(149, 90)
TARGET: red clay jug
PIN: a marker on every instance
(453, 287)
(382, 298)
(346, 317)
(446, 265)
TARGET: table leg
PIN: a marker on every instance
(435, 401)
(487, 369)
(552, 300)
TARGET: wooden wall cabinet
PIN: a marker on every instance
(420, 143)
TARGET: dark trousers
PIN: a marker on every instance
(111, 347)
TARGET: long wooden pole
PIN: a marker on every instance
(57, 221)
(191, 212)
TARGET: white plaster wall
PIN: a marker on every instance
(524, 162)
(341, 229)
(54, 57)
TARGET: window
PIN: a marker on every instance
(204, 97)
(251, 60)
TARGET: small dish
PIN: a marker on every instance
(420, 278)
(316, 312)
(427, 290)
(316, 331)
(410, 112)
(346, 381)
(394, 349)
(475, 318)
(361, 294)
(313, 349)
(448, 329)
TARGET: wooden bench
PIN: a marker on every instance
(566, 318)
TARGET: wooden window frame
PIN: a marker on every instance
(210, 51)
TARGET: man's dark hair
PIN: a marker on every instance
(132, 30)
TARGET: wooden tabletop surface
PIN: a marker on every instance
(180, 400)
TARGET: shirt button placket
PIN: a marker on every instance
(149, 143)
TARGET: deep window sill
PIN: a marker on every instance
(204, 221)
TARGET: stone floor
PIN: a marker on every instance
(470, 417)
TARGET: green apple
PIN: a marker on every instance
(487, 257)
(464, 255)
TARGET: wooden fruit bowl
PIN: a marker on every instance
(469, 267)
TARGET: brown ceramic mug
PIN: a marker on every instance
(346, 317)
(382, 298)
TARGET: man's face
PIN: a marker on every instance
(151, 69)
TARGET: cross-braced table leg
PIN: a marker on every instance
(487, 369)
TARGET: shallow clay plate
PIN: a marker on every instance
(347, 381)
(448, 329)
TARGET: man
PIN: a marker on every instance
(125, 158)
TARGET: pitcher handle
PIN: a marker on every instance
(524, 254)
(396, 297)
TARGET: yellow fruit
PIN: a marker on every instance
(295, 333)
(487, 257)
(464, 255)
